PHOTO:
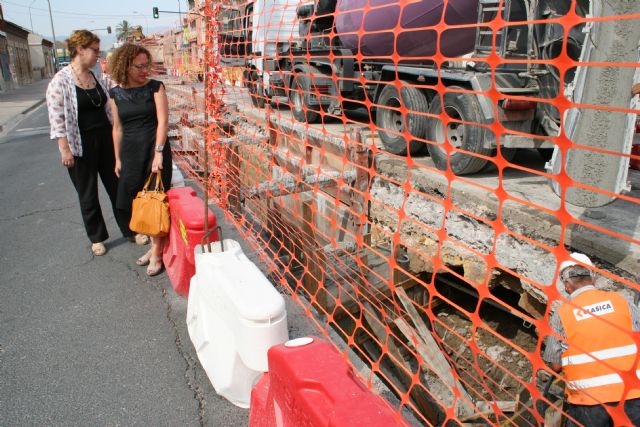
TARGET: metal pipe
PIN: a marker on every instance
(207, 130)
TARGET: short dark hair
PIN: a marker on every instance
(81, 38)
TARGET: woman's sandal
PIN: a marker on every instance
(98, 249)
(154, 270)
(139, 239)
(144, 259)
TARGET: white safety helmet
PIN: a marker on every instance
(575, 258)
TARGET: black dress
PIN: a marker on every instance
(137, 112)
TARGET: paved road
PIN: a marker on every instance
(88, 340)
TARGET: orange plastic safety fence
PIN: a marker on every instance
(416, 173)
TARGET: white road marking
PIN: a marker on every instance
(38, 129)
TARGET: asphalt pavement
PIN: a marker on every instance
(88, 340)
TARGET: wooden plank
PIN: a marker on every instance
(423, 402)
(436, 359)
(425, 353)
(233, 177)
(313, 280)
(485, 410)
(554, 417)
(423, 330)
(503, 405)
(433, 355)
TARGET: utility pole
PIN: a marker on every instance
(180, 13)
(30, 18)
(53, 33)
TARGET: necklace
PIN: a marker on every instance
(84, 86)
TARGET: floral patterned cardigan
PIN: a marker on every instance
(62, 103)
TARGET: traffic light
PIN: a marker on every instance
(156, 15)
(109, 30)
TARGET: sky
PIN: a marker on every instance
(69, 15)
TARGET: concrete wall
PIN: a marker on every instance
(20, 60)
(49, 61)
(41, 58)
(37, 56)
(5, 75)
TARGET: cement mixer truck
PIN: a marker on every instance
(392, 58)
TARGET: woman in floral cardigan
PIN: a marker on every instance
(81, 122)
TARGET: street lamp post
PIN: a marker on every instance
(53, 33)
(146, 21)
(30, 18)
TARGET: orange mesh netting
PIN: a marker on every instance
(388, 159)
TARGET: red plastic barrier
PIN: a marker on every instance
(187, 230)
(635, 163)
(311, 385)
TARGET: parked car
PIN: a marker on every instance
(62, 64)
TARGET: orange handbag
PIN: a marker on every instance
(150, 210)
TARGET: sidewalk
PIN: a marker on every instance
(90, 340)
(20, 101)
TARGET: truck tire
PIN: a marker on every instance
(464, 107)
(256, 90)
(299, 94)
(391, 119)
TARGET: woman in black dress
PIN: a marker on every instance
(140, 125)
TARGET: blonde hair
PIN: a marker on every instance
(81, 38)
(122, 59)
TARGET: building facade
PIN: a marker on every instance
(6, 82)
(194, 40)
(42, 62)
(19, 55)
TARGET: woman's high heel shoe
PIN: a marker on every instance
(155, 266)
(144, 259)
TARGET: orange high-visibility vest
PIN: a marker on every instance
(601, 346)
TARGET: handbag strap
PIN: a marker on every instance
(159, 185)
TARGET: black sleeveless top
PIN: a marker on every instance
(91, 108)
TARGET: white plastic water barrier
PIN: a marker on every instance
(234, 315)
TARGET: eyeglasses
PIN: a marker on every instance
(95, 50)
(142, 66)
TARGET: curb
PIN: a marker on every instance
(34, 106)
(15, 120)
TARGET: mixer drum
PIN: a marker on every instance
(419, 23)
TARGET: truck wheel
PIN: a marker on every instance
(391, 119)
(299, 94)
(507, 153)
(256, 90)
(464, 107)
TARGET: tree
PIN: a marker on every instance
(123, 31)
(136, 32)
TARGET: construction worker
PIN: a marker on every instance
(597, 351)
